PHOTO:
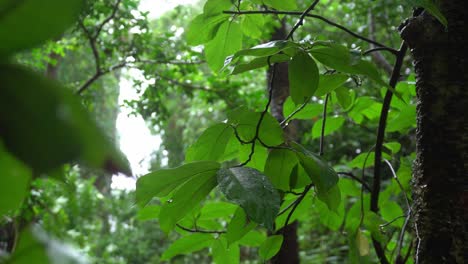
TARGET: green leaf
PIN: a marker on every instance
(338, 57)
(217, 209)
(329, 82)
(253, 25)
(332, 55)
(239, 226)
(257, 160)
(245, 122)
(406, 119)
(34, 246)
(390, 211)
(252, 190)
(186, 198)
(362, 161)
(332, 124)
(223, 253)
(256, 63)
(430, 7)
(149, 212)
(270, 247)
(322, 175)
(310, 111)
(331, 197)
(211, 144)
(214, 7)
(228, 40)
(362, 243)
(301, 213)
(358, 162)
(394, 147)
(253, 238)
(49, 126)
(160, 183)
(281, 4)
(303, 77)
(25, 24)
(266, 49)
(14, 182)
(203, 29)
(188, 244)
(279, 166)
(332, 219)
(345, 97)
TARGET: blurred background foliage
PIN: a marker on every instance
(179, 96)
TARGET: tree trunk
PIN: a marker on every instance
(441, 168)
(289, 252)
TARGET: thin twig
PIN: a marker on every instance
(352, 176)
(107, 19)
(296, 204)
(324, 120)
(284, 123)
(408, 214)
(200, 231)
(262, 115)
(295, 13)
(375, 50)
(300, 22)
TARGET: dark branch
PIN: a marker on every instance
(374, 203)
(296, 204)
(107, 19)
(352, 176)
(200, 231)
(300, 22)
(294, 13)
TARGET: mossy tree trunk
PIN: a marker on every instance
(441, 168)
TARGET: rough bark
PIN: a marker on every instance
(441, 168)
(289, 252)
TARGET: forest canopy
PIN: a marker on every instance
(288, 131)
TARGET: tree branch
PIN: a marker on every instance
(107, 19)
(200, 231)
(295, 13)
(300, 22)
(374, 203)
(352, 176)
(378, 58)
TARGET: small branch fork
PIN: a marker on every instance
(92, 38)
(295, 13)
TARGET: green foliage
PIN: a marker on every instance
(185, 198)
(303, 77)
(239, 226)
(14, 183)
(245, 123)
(251, 190)
(188, 244)
(28, 23)
(205, 148)
(53, 114)
(279, 166)
(161, 183)
(270, 247)
(182, 99)
(35, 246)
